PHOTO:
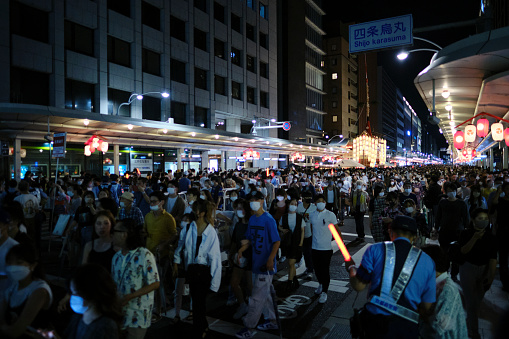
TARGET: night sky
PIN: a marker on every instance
(425, 13)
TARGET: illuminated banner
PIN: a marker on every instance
(380, 34)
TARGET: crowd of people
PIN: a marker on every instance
(134, 240)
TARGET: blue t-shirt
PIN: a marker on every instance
(420, 288)
(140, 202)
(184, 184)
(262, 232)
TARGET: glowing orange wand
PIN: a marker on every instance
(340, 242)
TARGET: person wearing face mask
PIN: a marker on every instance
(75, 193)
(202, 259)
(452, 218)
(192, 195)
(407, 193)
(95, 302)
(175, 205)
(159, 226)
(128, 210)
(26, 301)
(101, 249)
(500, 204)
(479, 250)
(294, 225)
(305, 210)
(475, 200)
(263, 237)
(423, 231)
(307, 186)
(277, 209)
(321, 245)
(134, 270)
(358, 207)
(333, 198)
(242, 270)
(376, 207)
(142, 195)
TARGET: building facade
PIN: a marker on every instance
(216, 59)
(301, 69)
(341, 85)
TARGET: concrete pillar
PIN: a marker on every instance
(17, 159)
(505, 154)
(222, 163)
(180, 151)
(204, 160)
(116, 159)
(491, 159)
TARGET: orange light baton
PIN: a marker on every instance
(267, 171)
(340, 242)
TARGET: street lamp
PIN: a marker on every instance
(404, 54)
(140, 97)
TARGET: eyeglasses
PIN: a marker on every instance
(154, 201)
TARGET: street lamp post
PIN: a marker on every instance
(140, 97)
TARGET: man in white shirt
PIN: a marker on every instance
(306, 209)
(30, 206)
(321, 245)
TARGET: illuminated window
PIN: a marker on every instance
(334, 118)
(334, 76)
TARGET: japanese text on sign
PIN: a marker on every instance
(381, 34)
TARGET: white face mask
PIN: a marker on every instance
(292, 208)
(89, 188)
(381, 194)
(320, 206)
(280, 198)
(240, 213)
(502, 194)
(409, 209)
(408, 190)
(77, 304)
(154, 208)
(171, 190)
(359, 187)
(122, 204)
(233, 198)
(70, 193)
(17, 272)
(183, 224)
(288, 197)
(451, 194)
(255, 205)
(476, 194)
(203, 197)
(89, 200)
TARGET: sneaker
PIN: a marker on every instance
(244, 333)
(310, 275)
(267, 325)
(155, 318)
(283, 259)
(323, 298)
(319, 289)
(231, 301)
(186, 290)
(242, 310)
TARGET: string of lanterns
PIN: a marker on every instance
(498, 133)
(95, 143)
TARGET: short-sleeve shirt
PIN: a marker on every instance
(421, 287)
(159, 229)
(132, 272)
(322, 236)
(262, 232)
(134, 213)
(483, 250)
(29, 203)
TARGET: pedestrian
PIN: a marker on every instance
(500, 204)
(263, 237)
(359, 206)
(479, 250)
(134, 270)
(321, 245)
(395, 299)
(305, 210)
(202, 260)
(376, 207)
(129, 211)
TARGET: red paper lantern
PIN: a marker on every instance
(459, 139)
(506, 136)
(483, 126)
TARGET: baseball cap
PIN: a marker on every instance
(257, 196)
(405, 223)
(127, 196)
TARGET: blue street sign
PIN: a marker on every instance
(380, 34)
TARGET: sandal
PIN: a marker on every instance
(189, 318)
